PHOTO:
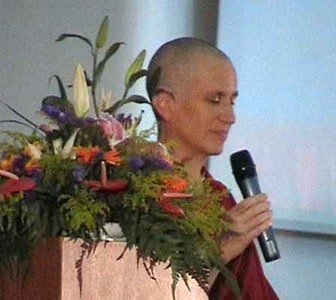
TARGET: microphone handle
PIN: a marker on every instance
(250, 187)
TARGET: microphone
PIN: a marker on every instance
(245, 173)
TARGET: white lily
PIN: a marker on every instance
(57, 145)
(106, 99)
(81, 99)
(66, 151)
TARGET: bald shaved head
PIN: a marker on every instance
(192, 86)
(174, 62)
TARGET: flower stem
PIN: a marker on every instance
(94, 83)
(103, 173)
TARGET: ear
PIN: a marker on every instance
(163, 104)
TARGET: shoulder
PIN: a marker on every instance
(228, 200)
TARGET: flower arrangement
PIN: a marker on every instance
(77, 173)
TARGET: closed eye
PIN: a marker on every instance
(221, 98)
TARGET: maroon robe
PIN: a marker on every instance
(246, 268)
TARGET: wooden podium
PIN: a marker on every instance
(53, 276)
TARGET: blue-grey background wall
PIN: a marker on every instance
(29, 55)
(285, 56)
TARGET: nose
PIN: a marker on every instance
(226, 114)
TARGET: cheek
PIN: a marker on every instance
(194, 117)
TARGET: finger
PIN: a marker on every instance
(241, 217)
(260, 219)
(255, 210)
(243, 223)
(256, 231)
(250, 201)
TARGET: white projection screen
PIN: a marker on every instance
(285, 57)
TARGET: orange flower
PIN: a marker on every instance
(31, 165)
(176, 184)
(86, 154)
(170, 208)
(112, 157)
(5, 164)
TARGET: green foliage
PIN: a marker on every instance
(82, 214)
(9, 211)
(161, 237)
(205, 215)
(61, 87)
(102, 33)
(56, 174)
(16, 141)
(134, 72)
(25, 122)
(59, 102)
(142, 189)
(108, 54)
(132, 99)
(76, 36)
(23, 224)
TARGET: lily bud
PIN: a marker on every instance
(81, 100)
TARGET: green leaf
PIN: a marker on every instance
(135, 77)
(109, 53)
(135, 67)
(58, 102)
(138, 99)
(18, 122)
(134, 98)
(102, 33)
(70, 35)
(60, 86)
(19, 114)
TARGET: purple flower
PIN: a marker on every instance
(88, 120)
(19, 163)
(36, 174)
(158, 163)
(78, 173)
(51, 110)
(62, 117)
(137, 163)
(65, 116)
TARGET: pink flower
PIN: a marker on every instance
(113, 130)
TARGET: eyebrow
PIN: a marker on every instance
(220, 93)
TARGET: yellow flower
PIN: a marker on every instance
(32, 165)
(34, 150)
(5, 164)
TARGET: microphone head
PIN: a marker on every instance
(242, 165)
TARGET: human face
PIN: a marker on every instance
(203, 108)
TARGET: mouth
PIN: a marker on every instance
(221, 134)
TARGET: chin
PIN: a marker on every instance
(215, 151)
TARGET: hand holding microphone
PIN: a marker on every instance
(248, 219)
(246, 176)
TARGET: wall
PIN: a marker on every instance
(29, 54)
(284, 53)
(306, 268)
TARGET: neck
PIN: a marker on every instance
(193, 162)
(194, 167)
